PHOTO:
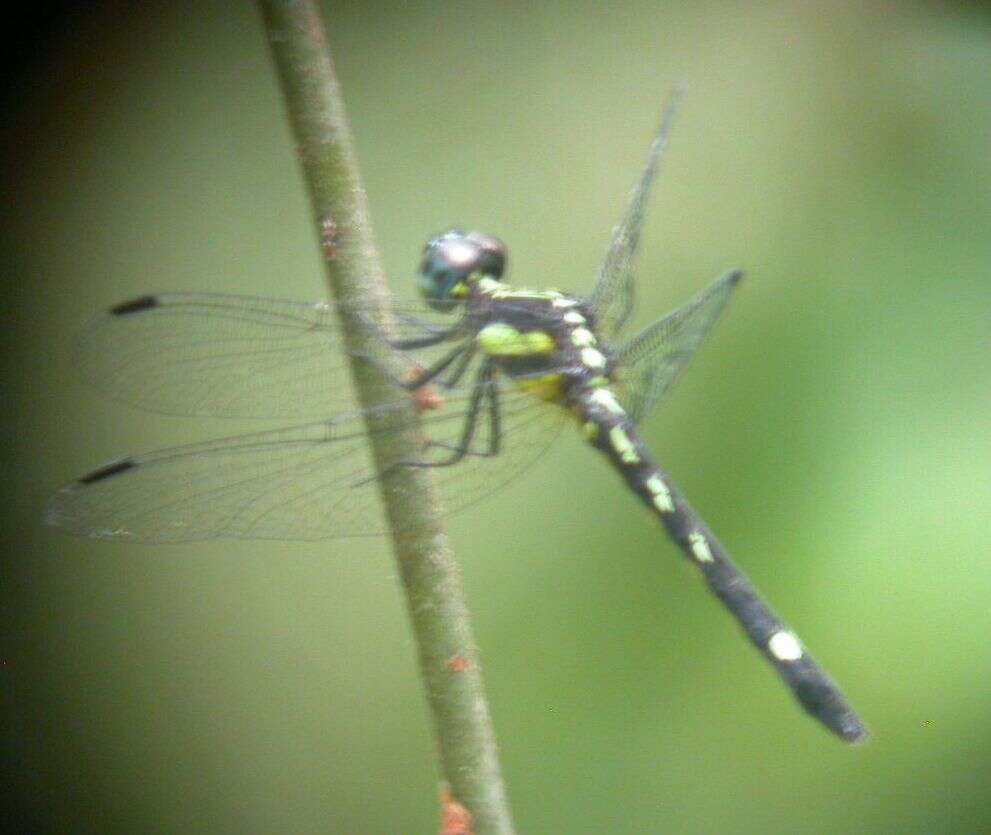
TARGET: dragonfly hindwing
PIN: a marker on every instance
(652, 358)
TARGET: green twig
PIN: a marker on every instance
(431, 579)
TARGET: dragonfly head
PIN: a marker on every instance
(453, 261)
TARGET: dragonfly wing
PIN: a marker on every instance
(226, 356)
(528, 427)
(612, 294)
(265, 485)
(306, 482)
(651, 360)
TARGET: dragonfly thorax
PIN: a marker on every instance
(453, 261)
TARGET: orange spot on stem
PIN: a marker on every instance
(455, 819)
(457, 664)
(425, 398)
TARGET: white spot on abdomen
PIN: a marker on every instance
(700, 548)
(660, 494)
(607, 400)
(592, 358)
(784, 646)
(582, 337)
(623, 446)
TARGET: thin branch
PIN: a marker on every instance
(430, 575)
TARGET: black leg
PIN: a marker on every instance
(426, 375)
(495, 420)
(425, 341)
(459, 370)
(484, 387)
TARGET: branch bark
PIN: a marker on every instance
(430, 576)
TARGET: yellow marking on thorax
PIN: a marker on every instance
(547, 388)
(502, 340)
(499, 290)
(490, 286)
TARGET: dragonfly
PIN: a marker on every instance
(493, 372)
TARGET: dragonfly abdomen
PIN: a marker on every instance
(610, 429)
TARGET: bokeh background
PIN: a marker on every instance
(834, 431)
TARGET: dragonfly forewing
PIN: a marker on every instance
(307, 482)
(612, 294)
(230, 356)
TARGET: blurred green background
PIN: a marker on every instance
(834, 431)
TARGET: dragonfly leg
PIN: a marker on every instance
(425, 341)
(495, 419)
(418, 376)
(432, 335)
(463, 447)
(425, 375)
(484, 389)
(459, 370)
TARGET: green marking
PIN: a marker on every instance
(504, 291)
(624, 447)
(490, 286)
(607, 400)
(593, 358)
(582, 338)
(598, 382)
(591, 429)
(546, 388)
(700, 548)
(659, 491)
(503, 340)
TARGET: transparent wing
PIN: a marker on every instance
(306, 482)
(612, 294)
(227, 356)
(650, 360)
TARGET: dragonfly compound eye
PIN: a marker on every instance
(450, 260)
(491, 254)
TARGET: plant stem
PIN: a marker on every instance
(430, 575)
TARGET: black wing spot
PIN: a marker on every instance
(108, 471)
(134, 305)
